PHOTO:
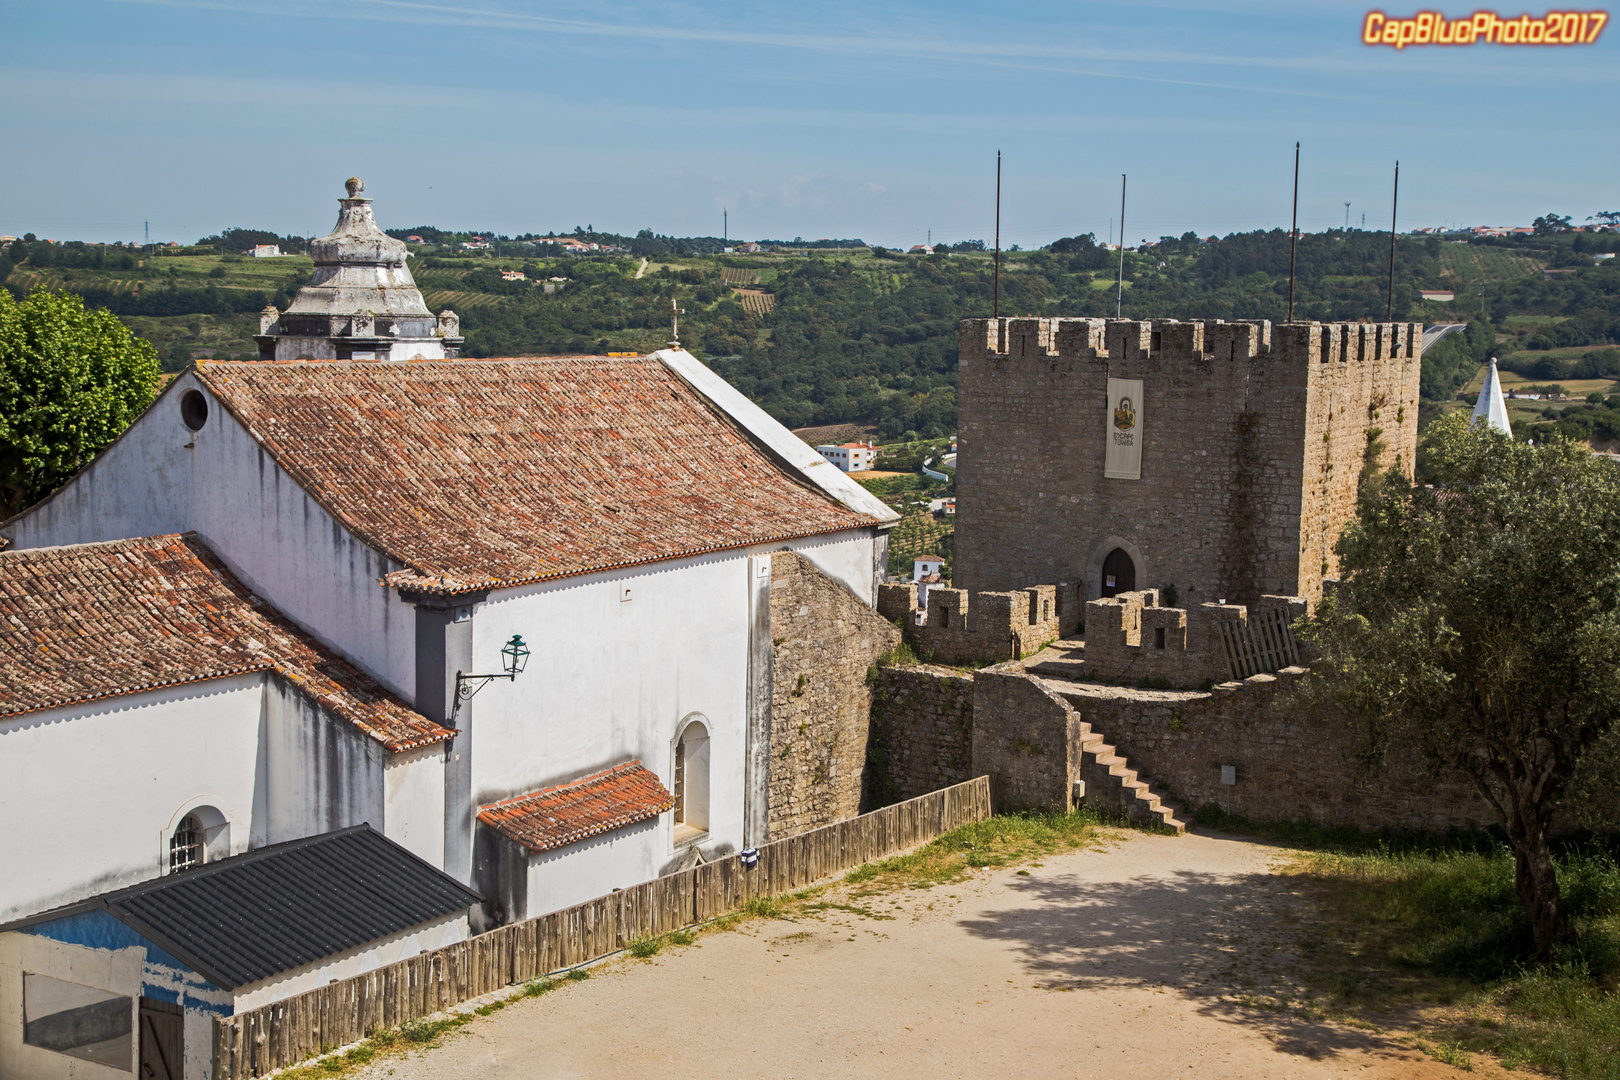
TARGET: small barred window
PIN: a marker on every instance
(186, 845)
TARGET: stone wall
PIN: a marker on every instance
(1254, 442)
(1289, 765)
(823, 641)
(1027, 735)
(1026, 739)
(962, 627)
(922, 733)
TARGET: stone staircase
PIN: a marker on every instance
(1111, 784)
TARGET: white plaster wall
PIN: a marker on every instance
(227, 489)
(321, 772)
(425, 938)
(90, 793)
(848, 557)
(114, 971)
(610, 679)
(413, 802)
(579, 872)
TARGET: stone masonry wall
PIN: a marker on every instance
(1290, 765)
(823, 642)
(1025, 734)
(922, 733)
(960, 627)
(1026, 739)
(1253, 440)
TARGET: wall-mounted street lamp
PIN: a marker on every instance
(514, 656)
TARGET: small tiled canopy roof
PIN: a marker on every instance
(92, 621)
(480, 473)
(601, 802)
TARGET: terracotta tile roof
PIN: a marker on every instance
(92, 621)
(496, 472)
(601, 802)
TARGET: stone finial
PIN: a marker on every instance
(267, 319)
(355, 185)
(449, 323)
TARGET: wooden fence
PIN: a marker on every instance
(274, 1036)
(1265, 644)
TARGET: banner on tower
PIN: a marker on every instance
(1123, 460)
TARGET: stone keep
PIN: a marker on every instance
(1254, 442)
(361, 303)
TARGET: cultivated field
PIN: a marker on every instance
(1469, 264)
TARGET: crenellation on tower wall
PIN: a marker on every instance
(960, 626)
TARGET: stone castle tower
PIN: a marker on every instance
(1221, 458)
(361, 303)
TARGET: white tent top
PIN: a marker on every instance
(1490, 407)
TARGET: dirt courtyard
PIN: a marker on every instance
(1144, 957)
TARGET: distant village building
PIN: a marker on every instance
(266, 251)
(513, 275)
(924, 565)
(750, 249)
(1443, 296)
(361, 303)
(850, 457)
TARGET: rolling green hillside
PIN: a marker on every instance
(862, 335)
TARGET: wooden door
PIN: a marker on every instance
(1118, 573)
(163, 1041)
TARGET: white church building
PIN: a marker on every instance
(511, 614)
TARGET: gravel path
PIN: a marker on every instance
(1152, 956)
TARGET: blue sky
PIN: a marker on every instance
(876, 119)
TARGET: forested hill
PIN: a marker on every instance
(863, 335)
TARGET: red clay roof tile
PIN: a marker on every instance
(92, 621)
(569, 813)
(497, 472)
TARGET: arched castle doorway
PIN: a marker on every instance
(1118, 573)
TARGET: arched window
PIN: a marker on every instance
(692, 782)
(188, 846)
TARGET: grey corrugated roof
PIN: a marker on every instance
(283, 907)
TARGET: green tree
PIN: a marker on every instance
(70, 381)
(1477, 626)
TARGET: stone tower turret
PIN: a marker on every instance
(361, 303)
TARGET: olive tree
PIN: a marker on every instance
(70, 381)
(1477, 625)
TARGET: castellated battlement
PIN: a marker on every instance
(1130, 638)
(1170, 341)
(960, 626)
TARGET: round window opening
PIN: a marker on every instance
(194, 409)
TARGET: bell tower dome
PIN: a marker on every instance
(361, 302)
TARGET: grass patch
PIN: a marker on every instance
(1425, 925)
(1006, 839)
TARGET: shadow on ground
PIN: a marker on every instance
(1229, 940)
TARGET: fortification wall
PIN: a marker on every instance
(823, 642)
(1249, 460)
(1289, 765)
(1026, 736)
(964, 627)
(922, 733)
(1131, 638)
